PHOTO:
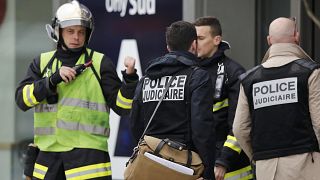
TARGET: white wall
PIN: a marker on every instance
(237, 19)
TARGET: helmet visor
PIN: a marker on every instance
(74, 22)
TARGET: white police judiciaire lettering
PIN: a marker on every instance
(275, 92)
(152, 90)
(140, 7)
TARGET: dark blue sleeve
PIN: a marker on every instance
(202, 123)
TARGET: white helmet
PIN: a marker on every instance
(70, 14)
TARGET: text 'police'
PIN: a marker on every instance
(152, 90)
(275, 92)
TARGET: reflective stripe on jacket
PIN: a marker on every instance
(240, 174)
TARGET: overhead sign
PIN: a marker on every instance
(134, 7)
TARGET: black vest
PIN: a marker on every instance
(278, 103)
(172, 119)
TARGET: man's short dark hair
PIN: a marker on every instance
(211, 21)
(180, 35)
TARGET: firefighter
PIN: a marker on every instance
(231, 161)
(72, 89)
(184, 115)
(277, 121)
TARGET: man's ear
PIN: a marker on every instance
(217, 40)
(193, 48)
(269, 40)
(297, 38)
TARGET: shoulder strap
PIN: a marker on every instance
(88, 58)
(310, 64)
(155, 110)
(244, 75)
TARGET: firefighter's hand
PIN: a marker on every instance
(219, 172)
(129, 63)
(67, 73)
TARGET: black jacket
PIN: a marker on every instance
(224, 115)
(110, 82)
(172, 120)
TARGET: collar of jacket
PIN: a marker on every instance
(184, 57)
(68, 57)
(169, 64)
(223, 46)
(285, 49)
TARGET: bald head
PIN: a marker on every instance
(283, 30)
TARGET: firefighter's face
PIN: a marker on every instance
(74, 36)
(207, 44)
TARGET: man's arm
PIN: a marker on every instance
(314, 101)
(234, 72)
(33, 88)
(231, 150)
(118, 94)
(202, 124)
(242, 124)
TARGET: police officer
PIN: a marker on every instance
(231, 161)
(172, 120)
(72, 96)
(277, 120)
